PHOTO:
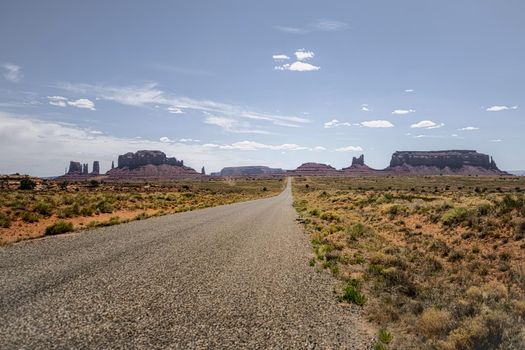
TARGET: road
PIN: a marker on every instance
(234, 276)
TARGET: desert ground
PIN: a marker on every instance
(434, 262)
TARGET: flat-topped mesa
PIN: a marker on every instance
(132, 160)
(453, 159)
(150, 165)
(314, 169)
(253, 170)
(453, 162)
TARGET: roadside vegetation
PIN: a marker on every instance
(32, 208)
(435, 262)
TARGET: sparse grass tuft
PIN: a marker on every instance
(59, 227)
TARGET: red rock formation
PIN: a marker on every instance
(314, 169)
(359, 168)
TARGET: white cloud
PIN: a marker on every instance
(232, 125)
(335, 123)
(256, 146)
(298, 67)
(320, 25)
(426, 124)
(82, 103)
(58, 101)
(149, 95)
(303, 55)
(403, 111)
(496, 140)
(500, 108)
(174, 110)
(409, 90)
(377, 124)
(350, 149)
(468, 128)
(12, 72)
(319, 148)
(164, 139)
(61, 101)
(189, 140)
(365, 108)
(280, 57)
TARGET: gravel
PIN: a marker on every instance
(234, 276)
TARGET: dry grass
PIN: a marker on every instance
(28, 213)
(439, 260)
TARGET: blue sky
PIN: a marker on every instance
(273, 83)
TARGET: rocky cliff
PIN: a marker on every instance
(132, 160)
(150, 165)
(359, 168)
(254, 170)
(461, 162)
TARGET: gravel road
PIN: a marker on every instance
(235, 276)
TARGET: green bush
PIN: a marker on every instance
(352, 295)
(27, 184)
(104, 207)
(5, 220)
(454, 216)
(43, 208)
(384, 336)
(357, 230)
(58, 228)
(30, 217)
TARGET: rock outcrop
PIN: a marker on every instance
(460, 162)
(254, 170)
(96, 168)
(75, 168)
(150, 165)
(359, 168)
(132, 160)
(314, 169)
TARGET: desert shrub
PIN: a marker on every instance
(63, 185)
(141, 216)
(485, 331)
(434, 323)
(5, 220)
(315, 212)
(494, 291)
(59, 227)
(87, 211)
(352, 294)
(454, 216)
(104, 207)
(329, 216)
(356, 231)
(384, 336)
(27, 184)
(29, 217)
(93, 183)
(43, 208)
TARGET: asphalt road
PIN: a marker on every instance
(234, 276)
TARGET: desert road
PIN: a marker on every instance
(235, 276)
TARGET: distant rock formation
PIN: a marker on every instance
(132, 160)
(461, 162)
(359, 168)
(314, 169)
(203, 171)
(150, 165)
(254, 170)
(85, 169)
(96, 168)
(75, 168)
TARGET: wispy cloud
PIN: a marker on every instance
(349, 149)
(12, 72)
(500, 108)
(256, 146)
(496, 140)
(149, 94)
(334, 123)
(320, 25)
(468, 128)
(409, 90)
(280, 57)
(403, 111)
(365, 108)
(232, 125)
(377, 124)
(298, 67)
(427, 124)
(303, 55)
(61, 101)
